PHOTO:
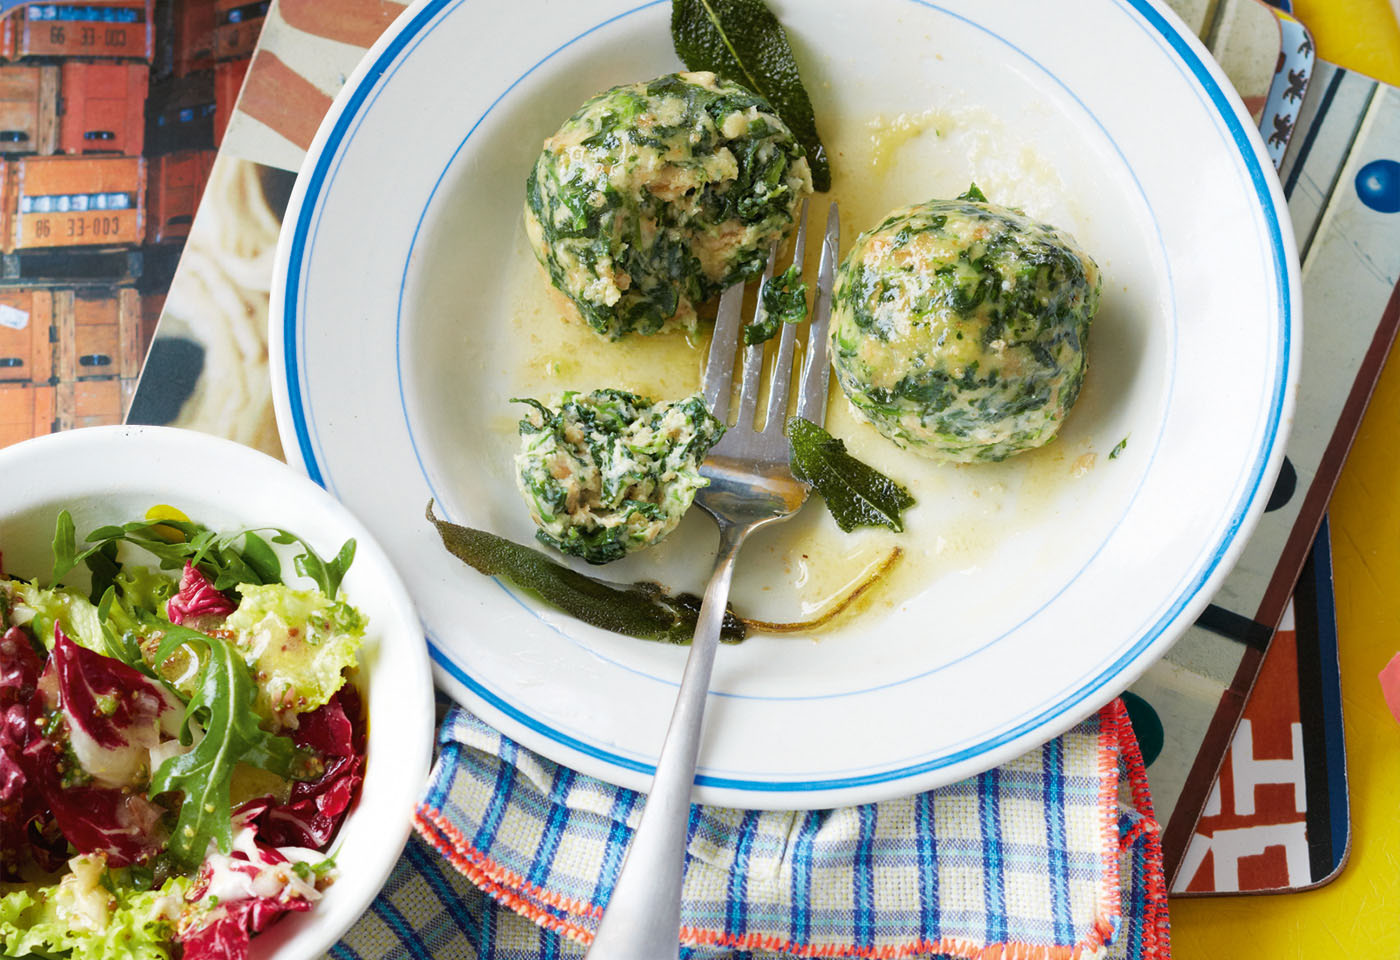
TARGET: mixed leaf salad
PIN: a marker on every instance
(178, 743)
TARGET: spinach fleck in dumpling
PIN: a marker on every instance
(655, 196)
(608, 473)
(959, 328)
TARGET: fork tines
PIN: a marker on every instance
(812, 388)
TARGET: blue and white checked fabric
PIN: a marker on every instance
(1046, 857)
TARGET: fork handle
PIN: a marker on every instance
(643, 917)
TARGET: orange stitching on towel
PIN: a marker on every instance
(497, 891)
(694, 936)
(499, 874)
(1156, 922)
(1110, 900)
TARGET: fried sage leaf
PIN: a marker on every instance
(741, 41)
(641, 610)
(781, 299)
(857, 494)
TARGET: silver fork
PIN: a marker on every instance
(750, 486)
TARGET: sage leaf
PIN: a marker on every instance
(857, 494)
(741, 41)
(641, 610)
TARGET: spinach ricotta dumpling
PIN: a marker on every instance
(608, 472)
(655, 196)
(959, 328)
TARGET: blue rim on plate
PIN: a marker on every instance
(384, 60)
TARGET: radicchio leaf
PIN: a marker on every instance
(313, 812)
(113, 712)
(236, 914)
(20, 667)
(228, 936)
(107, 698)
(23, 816)
(196, 598)
(124, 826)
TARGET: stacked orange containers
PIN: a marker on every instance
(73, 96)
(93, 28)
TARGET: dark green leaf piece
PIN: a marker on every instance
(65, 550)
(261, 558)
(223, 705)
(743, 42)
(857, 495)
(1122, 445)
(641, 610)
(782, 299)
(973, 193)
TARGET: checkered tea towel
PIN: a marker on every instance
(1054, 855)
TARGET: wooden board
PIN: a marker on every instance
(103, 108)
(95, 28)
(26, 410)
(237, 24)
(26, 327)
(28, 109)
(174, 185)
(78, 201)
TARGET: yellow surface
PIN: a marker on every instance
(1358, 34)
(1358, 914)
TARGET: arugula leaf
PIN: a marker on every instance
(310, 564)
(65, 550)
(1122, 445)
(124, 646)
(262, 558)
(641, 610)
(175, 542)
(781, 299)
(857, 494)
(741, 41)
(104, 566)
(222, 704)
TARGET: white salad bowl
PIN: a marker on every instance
(105, 475)
(1031, 592)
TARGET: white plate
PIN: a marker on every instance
(105, 475)
(407, 311)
